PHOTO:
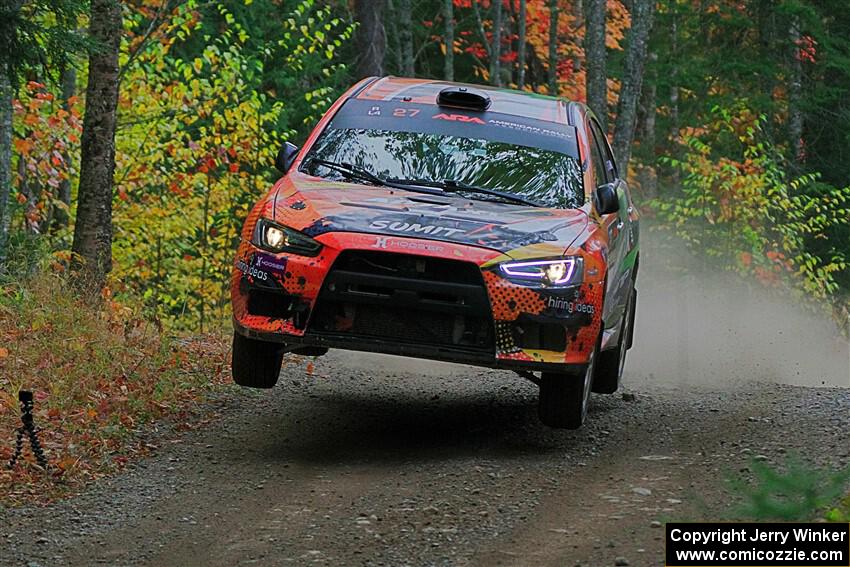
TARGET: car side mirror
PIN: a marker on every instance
(605, 199)
(285, 157)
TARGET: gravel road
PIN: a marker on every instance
(375, 460)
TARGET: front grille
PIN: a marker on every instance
(405, 298)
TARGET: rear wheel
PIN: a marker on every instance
(256, 364)
(609, 369)
(564, 398)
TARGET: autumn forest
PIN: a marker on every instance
(731, 116)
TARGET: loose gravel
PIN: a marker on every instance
(373, 460)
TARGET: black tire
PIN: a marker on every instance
(564, 398)
(631, 340)
(609, 368)
(256, 364)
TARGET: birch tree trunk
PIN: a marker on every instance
(449, 16)
(496, 49)
(595, 60)
(370, 38)
(553, 47)
(406, 33)
(521, 47)
(92, 245)
(624, 128)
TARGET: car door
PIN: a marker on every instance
(618, 226)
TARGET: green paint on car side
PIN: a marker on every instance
(629, 260)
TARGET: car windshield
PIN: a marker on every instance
(547, 177)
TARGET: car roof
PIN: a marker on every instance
(507, 101)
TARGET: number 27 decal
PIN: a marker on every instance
(405, 112)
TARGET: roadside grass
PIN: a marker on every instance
(793, 492)
(841, 512)
(102, 377)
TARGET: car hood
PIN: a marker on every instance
(518, 231)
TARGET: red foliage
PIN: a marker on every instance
(807, 49)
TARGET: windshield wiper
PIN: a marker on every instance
(350, 171)
(453, 186)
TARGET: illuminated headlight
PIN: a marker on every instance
(274, 237)
(561, 272)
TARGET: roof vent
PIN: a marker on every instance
(463, 97)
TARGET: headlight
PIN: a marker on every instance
(560, 272)
(274, 237)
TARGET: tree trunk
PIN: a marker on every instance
(8, 11)
(673, 134)
(370, 39)
(648, 110)
(7, 93)
(30, 193)
(406, 33)
(93, 228)
(449, 16)
(624, 128)
(496, 49)
(647, 176)
(521, 47)
(68, 80)
(480, 25)
(795, 94)
(393, 42)
(553, 47)
(595, 60)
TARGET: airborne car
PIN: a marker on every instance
(449, 222)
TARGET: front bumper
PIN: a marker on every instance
(428, 352)
(276, 298)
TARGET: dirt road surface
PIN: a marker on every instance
(375, 460)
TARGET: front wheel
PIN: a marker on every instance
(609, 369)
(256, 364)
(564, 398)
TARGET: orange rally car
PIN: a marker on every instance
(451, 222)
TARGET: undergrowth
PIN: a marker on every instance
(100, 374)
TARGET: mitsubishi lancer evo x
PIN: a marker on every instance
(450, 222)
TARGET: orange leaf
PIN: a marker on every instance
(4, 352)
(22, 145)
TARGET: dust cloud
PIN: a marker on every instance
(697, 326)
